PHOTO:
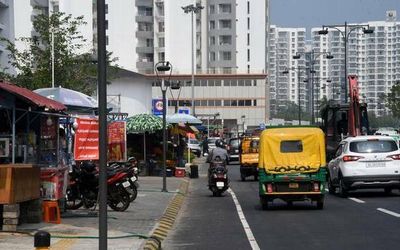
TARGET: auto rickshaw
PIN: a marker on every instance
(292, 165)
(248, 157)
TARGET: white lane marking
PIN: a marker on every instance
(356, 200)
(142, 195)
(246, 227)
(388, 212)
(327, 190)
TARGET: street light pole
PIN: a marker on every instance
(298, 90)
(193, 10)
(312, 72)
(348, 28)
(162, 67)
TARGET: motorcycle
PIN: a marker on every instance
(83, 189)
(218, 181)
(131, 169)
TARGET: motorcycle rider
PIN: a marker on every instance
(218, 154)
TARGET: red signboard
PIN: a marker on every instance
(116, 141)
(86, 145)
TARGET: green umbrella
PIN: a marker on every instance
(142, 123)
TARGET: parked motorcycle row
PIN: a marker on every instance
(122, 184)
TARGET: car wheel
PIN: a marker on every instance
(343, 192)
(331, 188)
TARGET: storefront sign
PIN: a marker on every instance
(157, 107)
(117, 141)
(86, 139)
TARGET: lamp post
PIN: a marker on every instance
(348, 28)
(243, 120)
(192, 9)
(163, 67)
(298, 70)
(314, 57)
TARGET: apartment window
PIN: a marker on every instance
(234, 102)
(161, 27)
(145, 11)
(106, 24)
(212, 25)
(226, 55)
(211, 103)
(149, 43)
(248, 7)
(107, 40)
(248, 23)
(254, 102)
(212, 40)
(225, 8)
(241, 103)
(225, 40)
(218, 103)
(161, 42)
(225, 24)
(248, 55)
(212, 56)
(248, 39)
(161, 56)
(247, 102)
(240, 82)
(217, 82)
(226, 70)
(212, 9)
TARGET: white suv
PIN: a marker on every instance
(365, 162)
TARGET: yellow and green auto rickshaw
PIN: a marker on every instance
(292, 165)
(248, 157)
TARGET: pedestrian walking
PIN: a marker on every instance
(205, 145)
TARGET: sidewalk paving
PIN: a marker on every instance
(141, 218)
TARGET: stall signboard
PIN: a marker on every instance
(157, 107)
(117, 141)
(86, 146)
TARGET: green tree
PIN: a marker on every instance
(33, 65)
(289, 111)
(393, 99)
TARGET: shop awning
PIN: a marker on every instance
(32, 97)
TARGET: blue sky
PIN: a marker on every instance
(315, 13)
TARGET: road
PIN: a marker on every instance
(365, 220)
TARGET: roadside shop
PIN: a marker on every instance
(33, 161)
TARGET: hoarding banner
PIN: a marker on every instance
(86, 146)
(117, 141)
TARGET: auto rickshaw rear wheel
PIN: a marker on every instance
(264, 203)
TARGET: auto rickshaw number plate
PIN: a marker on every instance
(293, 185)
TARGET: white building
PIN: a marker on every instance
(285, 43)
(7, 30)
(374, 58)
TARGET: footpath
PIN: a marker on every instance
(143, 225)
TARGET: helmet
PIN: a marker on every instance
(219, 143)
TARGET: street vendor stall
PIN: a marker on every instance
(31, 161)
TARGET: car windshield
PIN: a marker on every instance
(373, 146)
(193, 142)
(234, 142)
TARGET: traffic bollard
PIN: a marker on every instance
(42, 240)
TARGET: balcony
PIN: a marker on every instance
(144, 34)
(144, 65)
(145, 19)
(145, 50)
(145, 3)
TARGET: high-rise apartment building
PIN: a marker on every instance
(7, 29)
(284, 43)
(374, 58)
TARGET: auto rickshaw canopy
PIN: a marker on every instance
(292, 150)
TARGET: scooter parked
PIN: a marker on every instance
(130, 167)
(84, 188)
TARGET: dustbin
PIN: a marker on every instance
(194, 171)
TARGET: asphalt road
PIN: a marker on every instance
(362, 221)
